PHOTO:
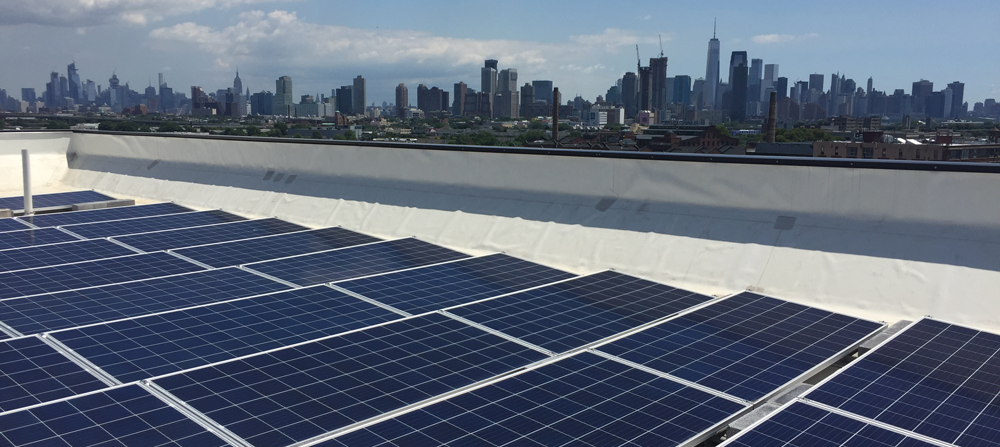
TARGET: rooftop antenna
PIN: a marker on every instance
(661, 45)
(715, 27)
(638, 64)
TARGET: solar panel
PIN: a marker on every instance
(297, 393)
(187, 237)
(30, 238)
(61, 199)
(582, 400)
(936, 379)
(56, 254)
(272, 247)
(155, 223)
(10, 224)
(91, 273)
(126, 416)
(161, 344)
(104, 214)
(802, 425)
(747, 346)
(32, 372)
(439, 286)
(74, 308)
(572, 314)
(353, 262)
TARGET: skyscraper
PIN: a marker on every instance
(739, 74)
(543, 91)
(75, 86)
(922, 89)
(682, 90)
(645, 88)
(755, 80)
(630, 94)
(712, 73)
(658, 84)
(957, 99)
(489, 76)
(345, 100)
(527, 98)
(458, 107)
(770, 77)
(870, 84)
(283, 101)
(507, 94)
(402, 100)
(781, 86)
(360, 99)
(240, 100)
(816, 82)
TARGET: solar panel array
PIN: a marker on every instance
(61, 199)
(11, 224)
(313, 338)
(103, 215)
(933, 383)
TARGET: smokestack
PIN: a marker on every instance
(772, 119)
(555, 115)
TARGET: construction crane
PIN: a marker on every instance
(638, 63)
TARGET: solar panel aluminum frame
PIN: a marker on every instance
(134, 218)
(102, 209)
(252, 238)
(9, 331)
(401, 312)
(804, 398)
(787, 386)
(135, 253)
(248, 266)
(591, 345)
(80, 360)
(194, 415)
(28, 225)
(112, 238)
(693, 441)
(112, 284)
(845, 414)
(63, 399)
(262, 275)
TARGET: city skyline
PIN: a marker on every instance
(210, 40)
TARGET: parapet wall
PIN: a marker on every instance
(878, 243)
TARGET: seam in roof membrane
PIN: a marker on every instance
(81, 361)
(191, 413)
(498, 333)
(368, 300)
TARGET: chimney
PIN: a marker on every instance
(555, 116)
(772, 119)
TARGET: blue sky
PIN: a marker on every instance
(584, 45)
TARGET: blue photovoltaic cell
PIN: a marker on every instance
(104, 214)
(125, 417)
(11, 224)
(296, 393)
(354, 262)
(74, 308)
(747, 346)
(66, 199)
(934, 378)
(571, 314)
(91, 273)
(30, 238)
(211, 234)
(802, 425)
(155, 223)
(583, 400)
(445, 285)
(161, 344)
(32, 372)
(274, 247)
(56, 254)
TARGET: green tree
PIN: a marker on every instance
(253, 131)
(282, 128)
(3, 124)
(537, 125)
(613, 127)
(563, 127)
(56, 124)
(236, 132)
(128, 126)
(170, 127)
(529, 137)
(301, 126)
(723, 129)
(802, 135)
(317, 135)
(108, 125)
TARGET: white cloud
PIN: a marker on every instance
(84, 13)
(280, 38)
(767, 39)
